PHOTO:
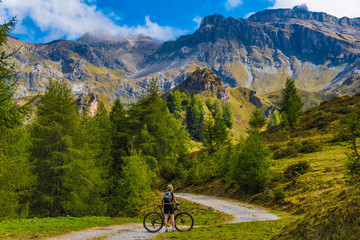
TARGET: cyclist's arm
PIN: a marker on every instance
(162, 199)
(175, 198)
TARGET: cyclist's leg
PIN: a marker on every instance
(172, 221)
(166, 212)
(172, 210)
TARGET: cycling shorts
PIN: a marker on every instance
(169, 208)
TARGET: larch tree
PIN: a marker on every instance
(291, 103)
(63, 161)
(15, 174)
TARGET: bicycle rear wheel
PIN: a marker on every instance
(153, 222)
(184, 222)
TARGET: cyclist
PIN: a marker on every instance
(168, 200)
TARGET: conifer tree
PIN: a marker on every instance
(15, 175)
(195, 118)
(134, 189)
(251, 167)
(174, 102)
(228, 116)
(216, 134)
(121, 136)
(291, 103)
(155, 127)
(98, 135)
(66, 172)
(257, 119)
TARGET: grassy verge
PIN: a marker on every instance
(203, 215)
(248, 230)
(40, 228)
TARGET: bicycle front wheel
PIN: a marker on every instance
(153, 222)
(184, 222)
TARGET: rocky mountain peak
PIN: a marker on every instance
(299, 12)
(204, 80)
(212, 20)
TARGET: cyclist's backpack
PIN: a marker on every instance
(168, 197)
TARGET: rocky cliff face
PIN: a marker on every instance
(205, 80)
(319, 50)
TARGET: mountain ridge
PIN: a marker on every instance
(320, 51)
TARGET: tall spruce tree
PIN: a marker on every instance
(15, 174)
(195, 118)
(228, 115)
(216, 134)
(121, 136)
(174, 102)
(251, 167)
(257, 119)
(66, 172)
(291, 103)
(165, 134)
(156, 132)
(98, 131)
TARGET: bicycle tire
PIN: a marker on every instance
(153, 222)
(184, 222)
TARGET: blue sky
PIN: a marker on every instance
(47, 20)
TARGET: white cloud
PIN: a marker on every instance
(72, 18)
(230, 4)
(248, 15)
(338, 8)
(197, 20)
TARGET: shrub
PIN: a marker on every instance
(289, 151)
(307, 146)
(294, 170)
(279, 193)
(352, 165)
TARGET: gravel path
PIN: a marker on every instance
(241, 212)
(130, 231)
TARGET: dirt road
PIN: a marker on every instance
(241, 212)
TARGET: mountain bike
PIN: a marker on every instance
(154, 221)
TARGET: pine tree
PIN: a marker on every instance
(15, 175)
(121, 136)
(257, 119)
(98, 136)
(251, 167)
(350, 131)
(291, 103)
(195, 118)
(228, 116)
(67, 175)
(159, 131)
(216, 134)
(174, 103)
(134, 189)
(156, 132)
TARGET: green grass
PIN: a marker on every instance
(248, 230)
(203, 215)
(40, 228)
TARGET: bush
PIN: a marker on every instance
(294, 170)
(307, 146)
(279, 193)
(352, 165)
(289, 151)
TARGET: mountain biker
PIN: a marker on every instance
(169, 205)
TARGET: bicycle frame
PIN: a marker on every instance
(162, 212)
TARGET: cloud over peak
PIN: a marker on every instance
(231, 4)
(338, 8)
(71, 18)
